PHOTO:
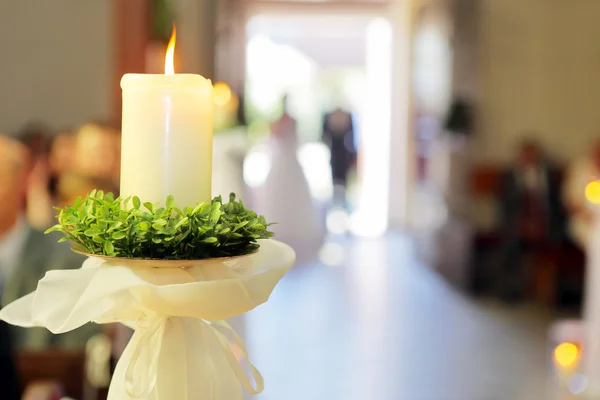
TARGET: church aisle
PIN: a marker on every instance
(381, 326)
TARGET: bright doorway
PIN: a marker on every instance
(321, 62)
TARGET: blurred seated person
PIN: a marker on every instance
(580, 211)
(35, 137)
(97, 153)
(39, 198)
(26, 254)
(60, 161)
(9, 382)
(60, 158)
(90, 159)
(532, 216)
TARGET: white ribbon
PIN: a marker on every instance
(142, 372)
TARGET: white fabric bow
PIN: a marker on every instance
(142, 372)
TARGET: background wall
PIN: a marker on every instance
(196, 35)
(56, 62)
(465, 43)
(540, 63)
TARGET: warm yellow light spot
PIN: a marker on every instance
(566, 354)
(170, 56)
(221, 94)
(592, 192)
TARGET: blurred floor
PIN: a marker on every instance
(381, 326)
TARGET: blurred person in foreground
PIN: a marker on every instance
(285, 197)
(532, 215)
(26, 254)
(580, 211)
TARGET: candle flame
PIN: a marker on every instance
(170, 56)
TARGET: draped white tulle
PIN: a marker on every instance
(181, 348)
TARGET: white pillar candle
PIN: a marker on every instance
(167, 132)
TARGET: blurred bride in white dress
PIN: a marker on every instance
(285, 197)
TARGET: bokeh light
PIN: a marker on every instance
(338, 221)
(332, 254)
(221, 93)
(592, 192)
(257, 166)
(566, 354)
(577, 384)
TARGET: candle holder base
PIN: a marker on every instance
(182, 347)
(162, 263)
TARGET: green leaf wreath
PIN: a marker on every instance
(117, 227)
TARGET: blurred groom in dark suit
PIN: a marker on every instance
(338, 135)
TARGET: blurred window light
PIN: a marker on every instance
(263, 90)
(257, 166)
(314, 159)
(272, 69)
(372, 215)
(259, 49)
(432, 67)
(361, 225)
